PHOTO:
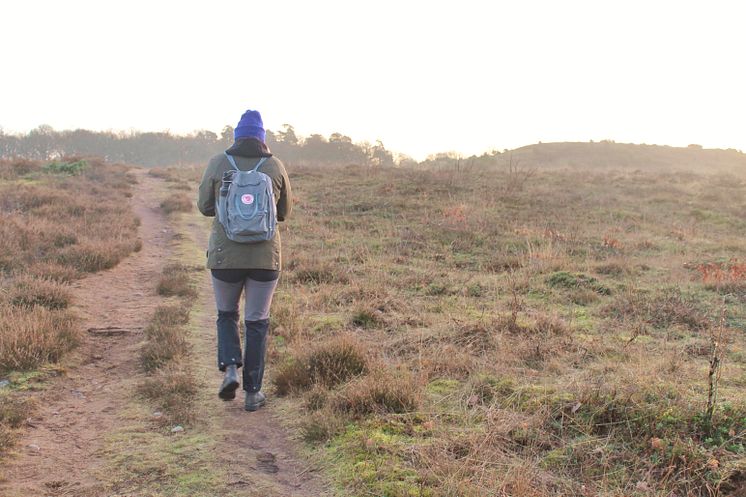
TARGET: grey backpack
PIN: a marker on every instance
(246, 204)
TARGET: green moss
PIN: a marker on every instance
(442, 386)
(370, 461)
(569, 281)
(326, 322)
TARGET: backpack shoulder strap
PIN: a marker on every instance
(232, 161)
(261, 161)
(234, 166)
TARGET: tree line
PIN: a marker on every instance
(164, 148)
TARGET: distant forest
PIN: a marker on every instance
(163, 148)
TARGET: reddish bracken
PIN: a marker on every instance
(723, 272)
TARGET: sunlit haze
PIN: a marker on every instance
(422, 76)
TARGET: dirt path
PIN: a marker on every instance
(59, 455)
(259, 458)
(61, 452)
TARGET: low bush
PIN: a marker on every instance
(321, 426)
(176, 281)
(177, 202)
(569, 281)
(173, 390)
(329, 364)
(661, 309)
(378, 393)
(165, 339)
(29, 292)
(71, 168)
(54, 271)
(30, 337)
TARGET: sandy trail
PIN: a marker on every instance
(260, 459)
(60, 453)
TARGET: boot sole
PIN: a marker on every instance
(254, 407)
(229, 391)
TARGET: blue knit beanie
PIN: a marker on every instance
(250, 126)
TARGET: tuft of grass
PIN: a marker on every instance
(14, 410)
(176, 281)
(664, 308)
(31, 337)
(29, 292)
(165, 338)
(366, 318)
(54, 271)
(330, 363)
(322, 426)
(177, 202)
(91, 257)
(173, 389)
(378, 393)
(171, 315)
(569, 281)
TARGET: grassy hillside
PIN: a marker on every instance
(607, 155)
(443, 333)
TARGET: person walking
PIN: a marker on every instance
(237, 266)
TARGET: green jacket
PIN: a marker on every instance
(223, 253)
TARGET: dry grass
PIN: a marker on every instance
(28, 292)
(330, 363)
(378, 393)
(172, 390)
(56, 223)
(177, 202)
(14, 410)
(176, 280)
(166, 354)
(30, 337)
(556, 336)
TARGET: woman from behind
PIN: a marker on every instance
(243, 264)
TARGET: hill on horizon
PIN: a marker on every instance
(610, 155)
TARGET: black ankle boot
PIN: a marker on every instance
(230, 383)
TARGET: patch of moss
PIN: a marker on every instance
(569, 281)
(442, 386)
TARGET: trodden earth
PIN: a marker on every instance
(93, 436)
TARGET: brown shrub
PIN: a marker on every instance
(54, 271)
(90, 257)
(12, 169)
(330, 363)
(321, 426)
(176, 281)
(378, 393)
(171, 315)
(317, 273)
(664, 308)
(173, 390)
(177, 202)
(29, 292)
(7, 439)
(165, 341)
(448, 361)
(30, 337)
(14, 409)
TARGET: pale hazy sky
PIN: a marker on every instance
(422, 76)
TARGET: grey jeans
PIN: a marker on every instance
(258, 299)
